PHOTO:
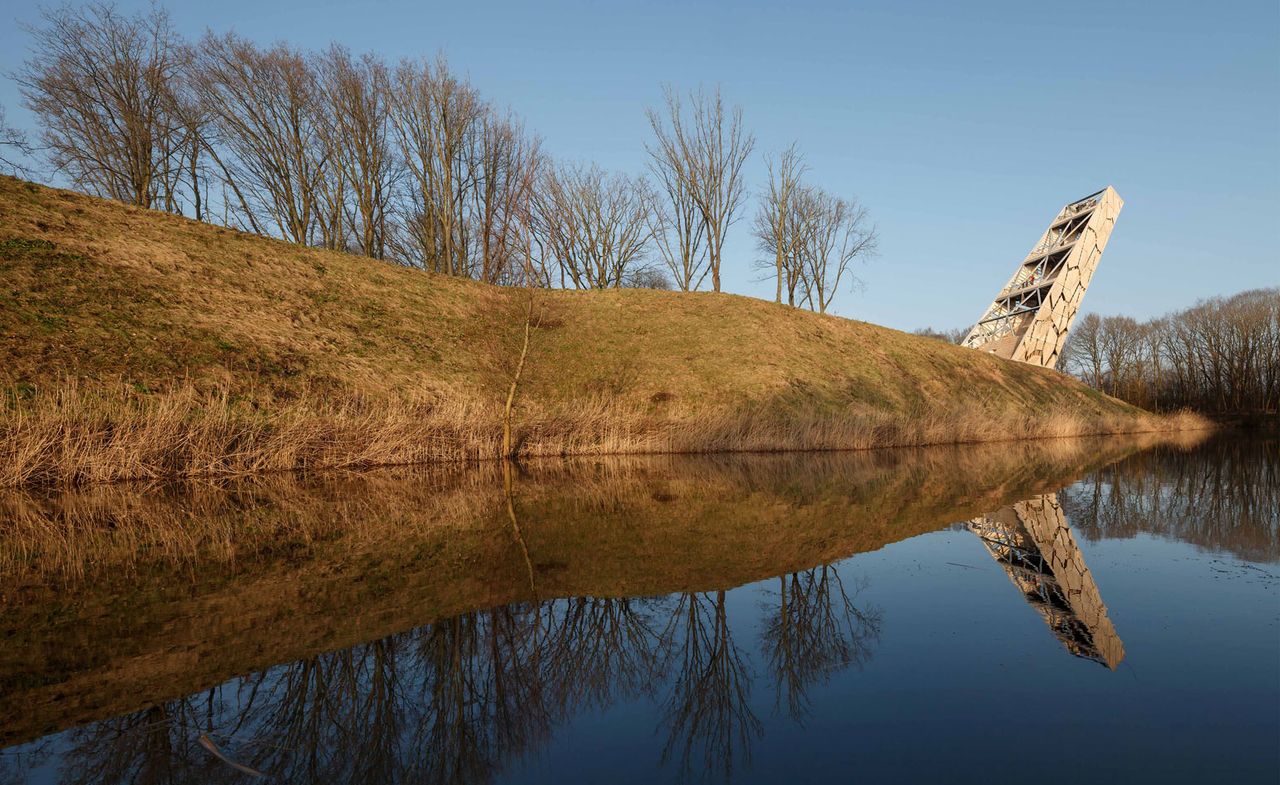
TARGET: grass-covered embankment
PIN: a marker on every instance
(139, 344)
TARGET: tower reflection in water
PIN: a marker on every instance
(1034, 545)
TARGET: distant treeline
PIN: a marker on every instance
(408, 162)
(1221, 356)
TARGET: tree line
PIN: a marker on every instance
(1220, 356)
(407, 162)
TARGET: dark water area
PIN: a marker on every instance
(1066, 611)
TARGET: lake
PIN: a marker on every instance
(1061, 611)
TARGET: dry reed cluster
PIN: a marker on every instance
(74, 435)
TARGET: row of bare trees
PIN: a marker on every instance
(406, 162)
(327, 149)
(1219, 356)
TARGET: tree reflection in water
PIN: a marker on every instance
(816, 632)
(1229, 503)
(708, 710)
(455, 701)
(478, 696)
(464, 698)
(155, 745)
(600, 650)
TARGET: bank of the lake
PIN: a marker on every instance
(137, 344)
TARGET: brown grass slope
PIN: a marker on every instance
(139, 344)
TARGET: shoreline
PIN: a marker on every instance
(73, 437)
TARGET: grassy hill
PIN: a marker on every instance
(137, 344)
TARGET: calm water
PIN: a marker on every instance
(1068, 612)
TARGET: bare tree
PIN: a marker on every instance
(774, 219)
(99, 83)
(436, 118)
(506, 166)
(697, 156)
(832, 234)
(593, 225)
(675, 220)
(194, 118)
(262, 108)
(355, 125)
(1122, 352)
(1083, 350)
(1153, 376)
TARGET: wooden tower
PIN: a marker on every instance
(1029, 319)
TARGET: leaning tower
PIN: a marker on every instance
(1029, 319)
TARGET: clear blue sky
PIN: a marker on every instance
(962, 126)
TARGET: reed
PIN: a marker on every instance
(75, 434)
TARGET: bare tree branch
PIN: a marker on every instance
(13, 141)
(593, 225)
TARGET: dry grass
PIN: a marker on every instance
(75, 435)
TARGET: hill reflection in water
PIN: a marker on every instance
(444, 626)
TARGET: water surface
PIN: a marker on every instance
(1066, 611)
